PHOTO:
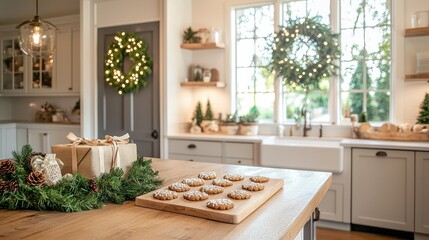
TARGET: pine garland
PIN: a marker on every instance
(76, 193)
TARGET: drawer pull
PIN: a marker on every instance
(191, 160)
(381, 154)
(239, 161)
(192, 146)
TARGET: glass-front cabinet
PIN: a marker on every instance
(13, 66)
(41, 73)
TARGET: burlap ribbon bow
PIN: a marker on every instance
(108, 140)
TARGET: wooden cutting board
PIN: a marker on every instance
(242, 208)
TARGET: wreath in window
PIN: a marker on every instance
(131, 46)
(304, 51)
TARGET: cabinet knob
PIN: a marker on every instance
(70, 88)
(239, 161)
(191, 160)
(45, 134)
(381, 154)
(192, 146)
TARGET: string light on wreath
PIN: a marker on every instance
(304, 52)
(131, 46)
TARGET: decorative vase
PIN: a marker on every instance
(229, 128)
(249, 129)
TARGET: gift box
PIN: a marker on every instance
(94, 157)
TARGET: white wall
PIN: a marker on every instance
(25, 108)
(413, 92)
(105, 13)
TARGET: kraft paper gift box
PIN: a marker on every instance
(93, 157)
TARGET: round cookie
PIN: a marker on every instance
(195, 196)
(164, 194)
(233, 177)
(207, 175)
(179, 187)
(259, 179)
(212, 189)
(239, 194)
(253, 186)
(193, 182)
(220, 204)
(222, 182)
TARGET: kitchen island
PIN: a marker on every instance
(283, 216)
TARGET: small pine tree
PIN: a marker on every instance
(423, 117)
(198, 114)
(209, 112)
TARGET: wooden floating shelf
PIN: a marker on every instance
(417, 77)
(416, 32)
(199, 46)
(203, 84)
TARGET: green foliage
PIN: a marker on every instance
(231, 118)
(362, 117)
(304, 51)
(198, 114)
(77, 193)
(133, 46)
(190, 36)
(251, 116)
(209, 112)
(423, 117)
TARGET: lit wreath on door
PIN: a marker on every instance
(304, 52)
(127, 44)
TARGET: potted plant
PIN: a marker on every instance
(209, 124)
(248, 122)
(229, 126)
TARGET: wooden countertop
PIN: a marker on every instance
(281, 217)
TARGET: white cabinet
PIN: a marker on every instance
(331, 207)
(383, 188)
(229, 152)
(422, 192)
(239, 153)
(57, 75)
(42, 136)
(13, 65)
(7, 140)
(67, 61)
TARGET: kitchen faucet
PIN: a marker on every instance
(306, 115)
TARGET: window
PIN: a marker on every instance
(366, 58)
(363, 83)
(319, 97)
(254, 83)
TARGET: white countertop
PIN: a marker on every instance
(218, 137)
(345, 142)
(399, 145)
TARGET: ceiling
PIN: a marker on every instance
(17, 11)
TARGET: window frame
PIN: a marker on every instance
(334, 98)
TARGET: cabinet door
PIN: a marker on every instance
(195, 147)
(383, 188)
(238, 153)
(68, 61)
(331, 207)
(63, 59)
(38, 140)
(42, 139)
(422, 192)
(12, 66)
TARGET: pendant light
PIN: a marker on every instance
(37, 38)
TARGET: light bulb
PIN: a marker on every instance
(36, 36)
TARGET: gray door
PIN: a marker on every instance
(133, 113)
